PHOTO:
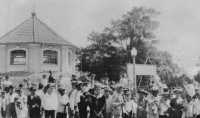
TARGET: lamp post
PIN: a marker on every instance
(134, 53)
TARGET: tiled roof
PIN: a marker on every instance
(33, 31)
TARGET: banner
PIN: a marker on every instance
(141, 69)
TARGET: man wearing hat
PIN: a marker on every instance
(6, 83)
(108, 109)
(72, 96)
(44, 80)
(177, 104)
(164, 105)
(62, 103)
(130, 108)
(118, 102)
(10, 102)
(154, 103)
(142, 104)
(34, 103)
(50, 101)
(51, 78)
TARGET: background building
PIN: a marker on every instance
(32, 48)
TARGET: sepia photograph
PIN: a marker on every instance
(99, 59)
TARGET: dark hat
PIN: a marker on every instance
(61, 87)
(44, 76)
(142, 91)
(33, 88)
(7, 77)
(20, 85)
(11, 87)
(73, 75)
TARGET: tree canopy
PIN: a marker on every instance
(110, 51)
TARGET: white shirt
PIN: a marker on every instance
(3, 102)
(39, 93)
(67, 84)
(10, 98)
(130, 105)
(109, 104)
(189, 109)
(7, 83)
(50, 101)
(44, 81)
(72, 99)
(164, 105)
(62, 101)
(197, 106)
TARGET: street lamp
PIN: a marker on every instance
(134, 53)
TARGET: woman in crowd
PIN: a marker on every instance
(21, 104)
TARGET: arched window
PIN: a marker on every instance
(50, 57)
(18, 57)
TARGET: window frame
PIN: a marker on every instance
(9, 56)
(57, 57)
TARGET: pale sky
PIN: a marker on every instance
(179, 31)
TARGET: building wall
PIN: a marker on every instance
(34, 57)
(3, 58)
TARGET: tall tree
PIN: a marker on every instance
(110, 50)
(102, 57)
(135, 29)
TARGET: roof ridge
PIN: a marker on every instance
(8, 33)
(34, 37)
(60, 37)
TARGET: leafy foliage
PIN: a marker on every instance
(110, 50)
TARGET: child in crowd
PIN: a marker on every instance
(189, 107)
(130, 108)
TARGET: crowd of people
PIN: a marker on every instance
(52, 99)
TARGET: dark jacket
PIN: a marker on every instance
(34, 105)
(51, 79)
(177, 109)
(97, 106)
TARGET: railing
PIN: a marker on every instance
(18, 80)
